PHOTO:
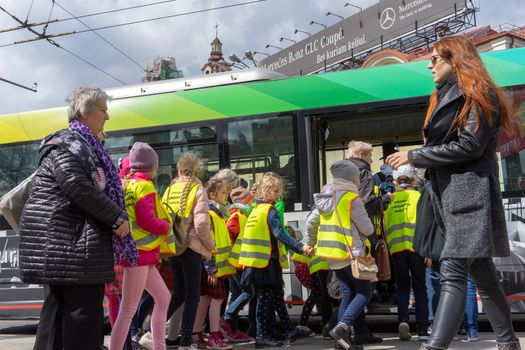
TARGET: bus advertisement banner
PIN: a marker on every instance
(363, 31)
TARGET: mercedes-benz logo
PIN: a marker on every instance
(388, 17)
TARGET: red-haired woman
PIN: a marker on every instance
(461, 128)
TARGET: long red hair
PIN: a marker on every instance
(474, 82)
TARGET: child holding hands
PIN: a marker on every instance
(263, 256)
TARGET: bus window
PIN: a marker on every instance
(265, 144)
(16, 163)
(169, 145)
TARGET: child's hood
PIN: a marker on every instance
(324, 202)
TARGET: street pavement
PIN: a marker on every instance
(25, 342)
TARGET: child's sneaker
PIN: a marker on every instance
(198, 341)
(241, 337)
(215, 342)
(404, 331)
(473, 337)
(226, 331)
(146, 341)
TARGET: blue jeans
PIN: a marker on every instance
(433, 291)
(355, 295)
(239, 297)
(471, 307)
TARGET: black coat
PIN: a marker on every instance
(65, 233)
(374, 205)
(463, 171)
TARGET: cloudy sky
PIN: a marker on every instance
(186, 37)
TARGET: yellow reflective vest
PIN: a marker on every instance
(334, 236)
(315, 263)
(236, 249)
(223, 245)
(134, 191)
(256, 246)
(400, 218)
(173, 194)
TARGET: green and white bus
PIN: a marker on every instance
(256, 121)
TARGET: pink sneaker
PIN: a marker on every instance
(226, 330)
(216, 343)
(241, 337)
(198, 341)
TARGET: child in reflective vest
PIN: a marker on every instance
(215, 270)
(337, 227)
(242, 200)
(150, 227)
(263, 255)
(409, 267)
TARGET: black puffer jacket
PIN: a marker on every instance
(65, 233)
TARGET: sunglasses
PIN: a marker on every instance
(435, 59)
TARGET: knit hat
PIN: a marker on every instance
(344, 169)
(404, 170)
(241, 194)
(142, 157)
(385, 169)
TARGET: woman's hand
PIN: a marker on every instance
(123, 229)
(428, 262)
(397, 159)
(212, 279)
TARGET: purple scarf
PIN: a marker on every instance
(123, 247)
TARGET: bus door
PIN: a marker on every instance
(386, 129)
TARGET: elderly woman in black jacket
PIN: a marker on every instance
(465, 115)
(73, 226)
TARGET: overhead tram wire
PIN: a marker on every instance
(83, 16)
(101, 37)
(138, 22)
(28, 12)
(43, 36)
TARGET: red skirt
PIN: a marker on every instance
(217, 291)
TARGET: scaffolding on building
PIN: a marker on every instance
(161, 68)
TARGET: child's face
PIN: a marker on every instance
(220, 196)
(273, 193)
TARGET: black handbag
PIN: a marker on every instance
(429, 239)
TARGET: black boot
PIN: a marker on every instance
(343, 335)
(515, 345)
(267, 343)
(428, 347)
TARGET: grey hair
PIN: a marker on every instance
(228, 176)
(356, 148)
(82, 99)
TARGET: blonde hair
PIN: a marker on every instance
(189, 164)
(356, 148)
(268, 181)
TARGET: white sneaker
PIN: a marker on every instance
(191, 347)
(404, 331)
(146, 341)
